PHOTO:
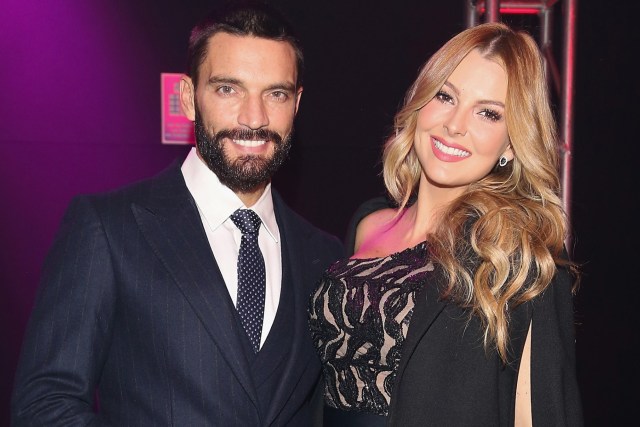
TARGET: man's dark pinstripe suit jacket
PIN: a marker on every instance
(131, 302)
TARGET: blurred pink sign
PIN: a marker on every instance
(176, 128)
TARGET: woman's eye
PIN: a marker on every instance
(492, 115)
(443, 96)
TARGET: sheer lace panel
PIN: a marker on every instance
(359, 316)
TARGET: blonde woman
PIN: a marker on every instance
(456, 306)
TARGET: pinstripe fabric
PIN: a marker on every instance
(131, 301)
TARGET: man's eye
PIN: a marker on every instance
(225, 90)
(280, 95)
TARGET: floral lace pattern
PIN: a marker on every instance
(359, 316)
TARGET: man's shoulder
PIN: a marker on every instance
(165, 182)
(298, 223)
(294, 219)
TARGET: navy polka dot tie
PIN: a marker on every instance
(251, 276)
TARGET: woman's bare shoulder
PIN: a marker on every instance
(372, 228)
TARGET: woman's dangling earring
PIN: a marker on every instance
(503, 161)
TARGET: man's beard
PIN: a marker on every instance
(247, 172)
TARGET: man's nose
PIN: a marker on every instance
(253, 113)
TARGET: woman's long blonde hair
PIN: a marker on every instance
(499, 242)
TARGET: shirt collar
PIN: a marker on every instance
(217, 202)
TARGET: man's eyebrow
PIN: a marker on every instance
(286, 86)
(222, 79)
(289, 87)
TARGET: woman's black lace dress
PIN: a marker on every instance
(359, 316)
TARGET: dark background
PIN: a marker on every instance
(80, 112)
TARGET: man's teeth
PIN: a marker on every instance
(450, 150)
(249, 143)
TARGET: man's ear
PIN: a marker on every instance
(187, 97)
(298, 96)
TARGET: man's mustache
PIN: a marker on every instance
(249, 135)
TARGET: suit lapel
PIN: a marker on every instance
(294, 257)
(427, 308)
(171, 224)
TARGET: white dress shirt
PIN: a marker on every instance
(216, 203)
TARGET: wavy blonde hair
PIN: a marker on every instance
(498, 243)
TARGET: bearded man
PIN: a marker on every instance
(182, 300)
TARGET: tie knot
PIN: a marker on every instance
(247, 221)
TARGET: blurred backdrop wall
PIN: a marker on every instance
(80, 112)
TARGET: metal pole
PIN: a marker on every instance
(566, 121)
(492, 10)
(471, 13)
(546, 46)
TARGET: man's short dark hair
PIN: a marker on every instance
(241, 18)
